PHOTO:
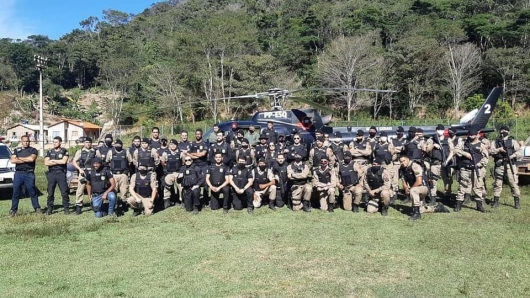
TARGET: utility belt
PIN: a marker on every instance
(97, 194)
(467, 167)
(299, 182)
(57, 171)
(120, 172)
(25, 171)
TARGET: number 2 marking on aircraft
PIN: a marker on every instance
(488, 109)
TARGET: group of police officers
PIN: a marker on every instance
(245, 169)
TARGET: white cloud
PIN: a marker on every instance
(12, 26)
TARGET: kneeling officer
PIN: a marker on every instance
(100, 185)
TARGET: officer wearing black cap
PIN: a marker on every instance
(437, 149)
(83, 163)
(56, 160)
(360, 149)
(217, 179)
(378, 186)
(372, 136)
(505, 150)
(172, 162)
(100, 185)
(146, 156)
(102, 150)
(414, 148)
(399, 143)
(119, 160)
(236, 142)
(472, 156)
(262, 147)
(349, 174)
(282, 146)
(324, 182)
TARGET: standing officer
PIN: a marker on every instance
(317, 153)
(360, 149)
(100, 185)
(472, 156)
(217, 180)
(448, 169)
(262, 147)
(378, 186)
(414, 146)
(24, 159)
(297, 148)
(436, 150)
(271, 134)
(172, 162)
(279, 169)
(213, 136)
(219, 145)
(349, 186)
(241, 180)
(337, 147)
(414, 183)
(252, 136)
(324, 181)
(398, 143)
(83, 163)
(247, 153)
(199, 153)
(101, 151)
(155, 141)
(372, 139)
(191, 177)
(298, 175)
(146, 156)
(56, 160)
(137, 141)
(184, 144)
(264, 184)
(505, 151)
(143, 190)
(119, 160)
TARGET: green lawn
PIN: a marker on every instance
(282, 253)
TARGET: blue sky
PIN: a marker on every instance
(55, 18)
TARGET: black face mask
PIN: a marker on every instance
(108, 143)
(412, 135)
(504, 134)
(372, 134)
(118, 148)
(470, 139)
(399, 135)
(262, 168)
(164, 144)
(451, 134)
(347, 160)
(250, 130)
(143, 172)
(298, 159)
(376, 169)
(244, 146)
(239, 138)
(241, 165)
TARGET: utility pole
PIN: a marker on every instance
(40, 64)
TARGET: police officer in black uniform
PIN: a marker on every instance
(100, 186)
(217, 180)
(270, 132)
(192, 178)
(199, 153)
(119, 161)
(24, 159)
(349, 186)
(241, 180)
(246, 152)
(56, 160)
(262, 147)
(184, 144)
(279, 169)
(103, 150)
(220, 146)
(297, 148)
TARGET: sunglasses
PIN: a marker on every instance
(296, 138)
(187, 160)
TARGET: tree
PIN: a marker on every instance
(348, 63)
(463, 69)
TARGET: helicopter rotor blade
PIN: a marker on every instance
(313, 104)
(345, 89)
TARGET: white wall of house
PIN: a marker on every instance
(74, 132)
(56, 130)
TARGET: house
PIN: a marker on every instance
(14, 133)
(71, 130)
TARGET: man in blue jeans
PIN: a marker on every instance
(24, 159)
(100, 185)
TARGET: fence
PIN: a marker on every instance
(519, 127)
(127, 132)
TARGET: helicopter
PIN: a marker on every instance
(307, 122)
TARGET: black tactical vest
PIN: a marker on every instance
(99, 181)
(375, 179)
(474, 150)
(382, 152)
(413, 151)
(57, 155)
(246, 154)
(319, 153)
(103, 151)
(338, 150)
(143, 185)
(119, 160)
(240, 176)
(324, 176)
(217, 174)
(85, 161)
(145, 158)
(260, 178)
(173, 162)
(508, 146)
(348, 175)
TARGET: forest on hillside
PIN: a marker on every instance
(177, 58)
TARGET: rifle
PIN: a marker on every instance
(447, 167)
(475, 169)
(505, 156)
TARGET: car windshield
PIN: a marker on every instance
(4, 152)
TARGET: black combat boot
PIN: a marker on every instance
(441, 208)
(517, 203)
(305, 206)
(355, 208)
(167, 203)
(271, 205)
(225, 211)
(78, 210)
(195, 211)
(384, 210)
(495, 203)
(480, 207)
(136, 212)
(250, 210)
(364, 198)
(330, 208)
(67, 211)
(415, 213)
(49, 210)
(458, 206)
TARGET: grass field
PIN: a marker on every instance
(176, 254)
